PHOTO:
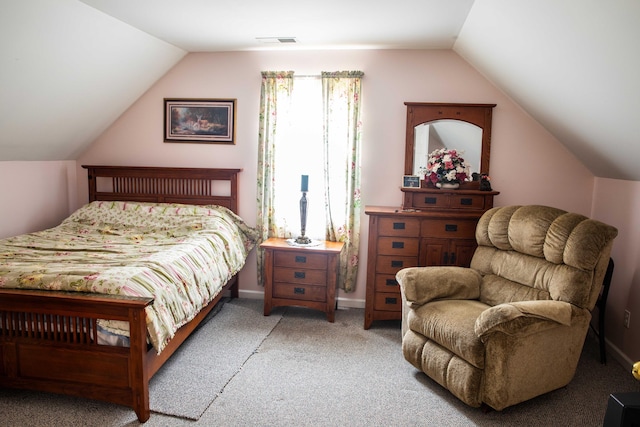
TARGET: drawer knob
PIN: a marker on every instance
(397, 264)
(397, 245)
(298, 291)
(398, 225)
(301, 259)
(391, 300)
(430, 200)
(392, 282)
(298, 274)
(466, 201)
(450, 227)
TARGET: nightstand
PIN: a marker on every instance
(301, 275)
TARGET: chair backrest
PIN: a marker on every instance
(539, 252)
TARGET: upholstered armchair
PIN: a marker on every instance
(512, 326)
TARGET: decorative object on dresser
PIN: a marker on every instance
(411, 181)
(301, 275)
(433, 226)
(446, 168)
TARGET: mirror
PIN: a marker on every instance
(464, 137)
(457, 126)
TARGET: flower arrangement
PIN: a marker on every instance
(446, 166)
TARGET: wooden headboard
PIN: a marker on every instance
(196, 186)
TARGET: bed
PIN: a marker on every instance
(49, 339)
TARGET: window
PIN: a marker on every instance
(311, 127)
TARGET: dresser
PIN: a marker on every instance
(433, 227)
(301, 275)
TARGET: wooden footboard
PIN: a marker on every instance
(48, 343)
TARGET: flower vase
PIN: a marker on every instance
(448, 185)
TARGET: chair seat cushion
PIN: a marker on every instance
(450, 323)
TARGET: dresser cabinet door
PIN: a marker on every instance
(456, 252)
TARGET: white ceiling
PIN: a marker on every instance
(571, 64)
(223, 25)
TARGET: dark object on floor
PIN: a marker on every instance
(623, 410)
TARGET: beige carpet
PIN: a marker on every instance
(309, 372)
(198, 372)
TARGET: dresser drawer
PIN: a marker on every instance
(388, 264)
(300, 275)
(300, 260)
(459, 201)
(299, 292)
(388, 301)
(449, 228)
(386, 283)
(406, 246)
(399, 227)
(430, 200)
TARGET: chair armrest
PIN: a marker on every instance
(420, 285)
(516, 317)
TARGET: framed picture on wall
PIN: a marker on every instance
(411, 181)
(207, 121)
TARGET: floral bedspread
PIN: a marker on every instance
(181, 255)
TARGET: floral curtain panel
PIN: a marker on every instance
(341, 102)
(341, 93)
(275, 104)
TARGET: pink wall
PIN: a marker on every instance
(35, 195)
(527, 164)
(618, 203)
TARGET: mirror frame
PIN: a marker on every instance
(423, 112)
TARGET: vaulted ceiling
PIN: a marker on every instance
(71, 67)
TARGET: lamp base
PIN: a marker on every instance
(303, 240)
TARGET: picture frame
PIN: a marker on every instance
(206, 121)
(411, 181)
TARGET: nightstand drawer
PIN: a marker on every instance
(399, 227)
(449, 228)
(406, 246)
(300, 275)
(300, 260)
(299, 292)
(392, 264)
(388, 301)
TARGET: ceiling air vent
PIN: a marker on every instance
(277, 40)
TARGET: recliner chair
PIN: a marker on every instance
(512, 326)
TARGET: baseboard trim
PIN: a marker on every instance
(617, 354)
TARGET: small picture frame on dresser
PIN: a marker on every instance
(410, 181)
